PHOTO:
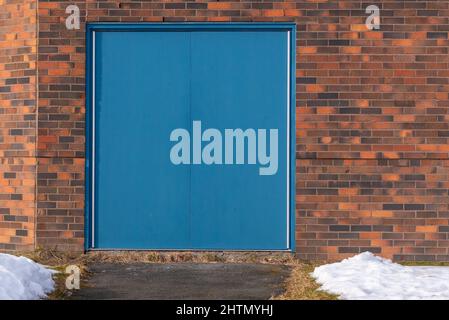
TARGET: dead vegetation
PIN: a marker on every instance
(425, 263)
(301, 286)
(188, 257)
(52, 257)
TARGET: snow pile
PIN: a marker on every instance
(366, 276)
(23, 279)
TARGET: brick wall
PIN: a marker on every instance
(60, 139)
(17, 123)
(394, 207)
(373, 130)
(372, 120)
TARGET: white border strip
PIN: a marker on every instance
(93, 144)
(288, 140)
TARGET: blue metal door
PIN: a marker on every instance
(189, 137)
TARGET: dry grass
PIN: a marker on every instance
(301, 286)
(54, 258)
(425, 263)
(57, 258)
(188, 257)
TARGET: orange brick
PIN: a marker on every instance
(219, 5)
(351, 50)
(382, 214)
(370, 235)
(403, 42)
(390, 177)
(347, 191)
(292, 13)
(359, 27)
(315, 88)
(273, 13)
(426, 228)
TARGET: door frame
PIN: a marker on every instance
(91, 28)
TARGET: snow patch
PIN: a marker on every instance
(24, 279)
(368, 277)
